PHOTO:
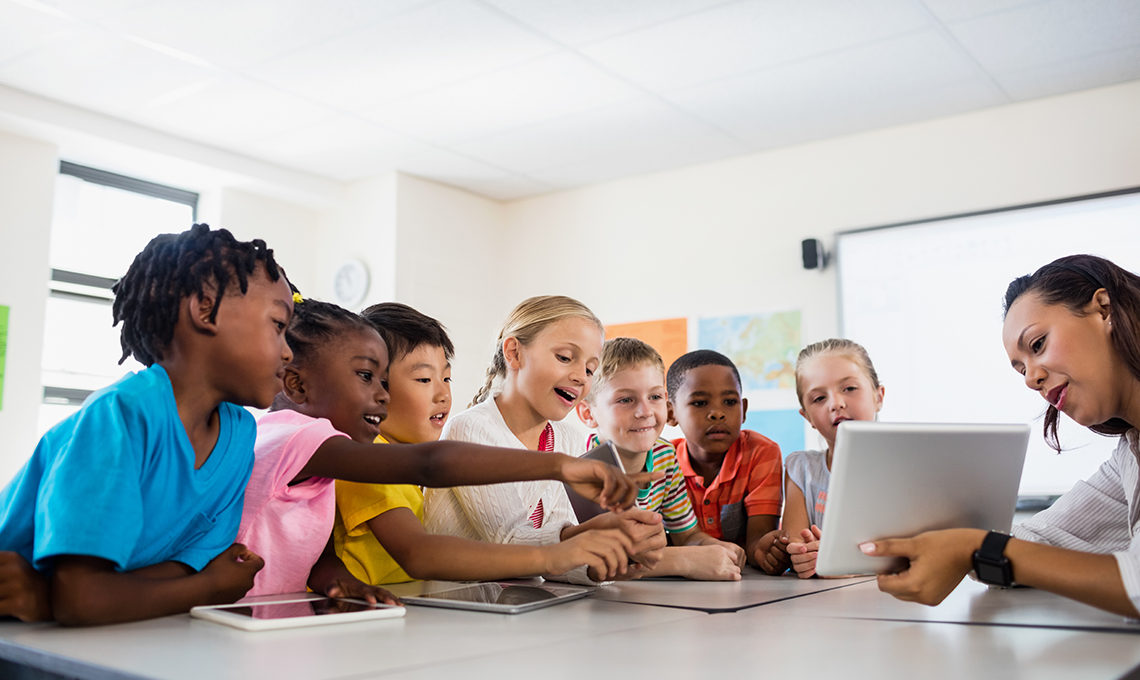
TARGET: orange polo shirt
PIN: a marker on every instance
(750, 482)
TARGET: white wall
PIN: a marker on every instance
(27, 179)
(362, 227)
(448, 255)
(292, 231)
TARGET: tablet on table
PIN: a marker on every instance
(295, 612)
(502, 598)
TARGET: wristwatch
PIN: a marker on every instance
(991, 566)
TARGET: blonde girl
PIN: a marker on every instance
(544, 359)
(835, 381)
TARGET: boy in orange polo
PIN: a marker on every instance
(733, 476)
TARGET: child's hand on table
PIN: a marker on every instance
(23, 590)
(772, 550)
(355, 588)
(805, 551)
(231, 573)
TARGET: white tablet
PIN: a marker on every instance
(502, 598)
(295, 612)
(891, 480)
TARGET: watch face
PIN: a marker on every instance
(997, 572)
(350, 283)
(988, 573)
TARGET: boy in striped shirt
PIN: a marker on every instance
(628, 404)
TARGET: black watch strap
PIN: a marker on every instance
(991, 566)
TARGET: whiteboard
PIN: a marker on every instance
(925, 299)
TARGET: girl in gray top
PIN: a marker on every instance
(835, 381)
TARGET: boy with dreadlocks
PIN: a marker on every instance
(128, 508)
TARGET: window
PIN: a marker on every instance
(101, 221)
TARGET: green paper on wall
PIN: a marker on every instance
(3, 348)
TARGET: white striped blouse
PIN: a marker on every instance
(1099, 515)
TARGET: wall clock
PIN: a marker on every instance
(350, 283)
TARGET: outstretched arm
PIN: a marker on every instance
(88, 591)
(939, 559)
(433, 556)
(452, 463)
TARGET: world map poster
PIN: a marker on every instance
(764, 348)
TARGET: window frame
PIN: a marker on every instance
(88, 288)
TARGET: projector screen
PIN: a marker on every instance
(925, 299)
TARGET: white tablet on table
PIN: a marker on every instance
(295, 612)
(891, 480)
(501, 598)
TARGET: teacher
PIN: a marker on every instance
(1072, 329)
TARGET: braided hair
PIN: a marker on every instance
(316, 324)
(171, 267)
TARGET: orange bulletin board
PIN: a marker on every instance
(670, 337)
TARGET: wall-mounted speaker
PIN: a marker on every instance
(814, 255)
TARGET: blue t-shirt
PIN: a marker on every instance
(116, 480)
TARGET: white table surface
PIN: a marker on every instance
(179, 647)
(777, 641)
(852, 631)
(755, 588)
(971, 602)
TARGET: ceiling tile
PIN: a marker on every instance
(91, 10)
(891, 82)
(102, 72)
(459, 170)
(26, 27)
(236, 33)
(957, 10)
(227, 110)
(340, 147)
(548, 87)
(414, 52)
(1069, 75)
(574, 22)
(1049, 32)
(747, 36)
(644, 133)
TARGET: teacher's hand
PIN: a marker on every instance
(937, 561)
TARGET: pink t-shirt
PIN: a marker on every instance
(287, 525)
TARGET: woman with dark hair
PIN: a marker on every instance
(1072, 329)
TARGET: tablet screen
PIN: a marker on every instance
(495, 593)
(288, 610)
(507, 598)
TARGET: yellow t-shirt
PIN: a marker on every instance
(353, 540)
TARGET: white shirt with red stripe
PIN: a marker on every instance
(529, 513)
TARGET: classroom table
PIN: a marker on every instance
(714, 597)
(822, 627)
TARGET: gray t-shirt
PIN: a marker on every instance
(808, 469)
